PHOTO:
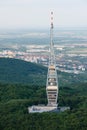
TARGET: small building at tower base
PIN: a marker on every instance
(43, 108)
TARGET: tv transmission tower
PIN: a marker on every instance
(52, 79)
(52, 83)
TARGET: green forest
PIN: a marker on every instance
(16, 97)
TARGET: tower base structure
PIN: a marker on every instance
(43, 108)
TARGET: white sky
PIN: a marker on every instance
(36, 13)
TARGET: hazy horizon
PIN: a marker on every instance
(42, 29)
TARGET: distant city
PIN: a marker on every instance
(70, 48)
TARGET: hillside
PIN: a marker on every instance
(19, 71)
(30, 89)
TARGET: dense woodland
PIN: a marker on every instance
(15, 97)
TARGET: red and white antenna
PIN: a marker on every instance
(51, 32)
(51, 20)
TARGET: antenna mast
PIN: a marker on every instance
(52, 56)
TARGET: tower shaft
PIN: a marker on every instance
(52, 81)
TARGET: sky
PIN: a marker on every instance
(36, 13)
